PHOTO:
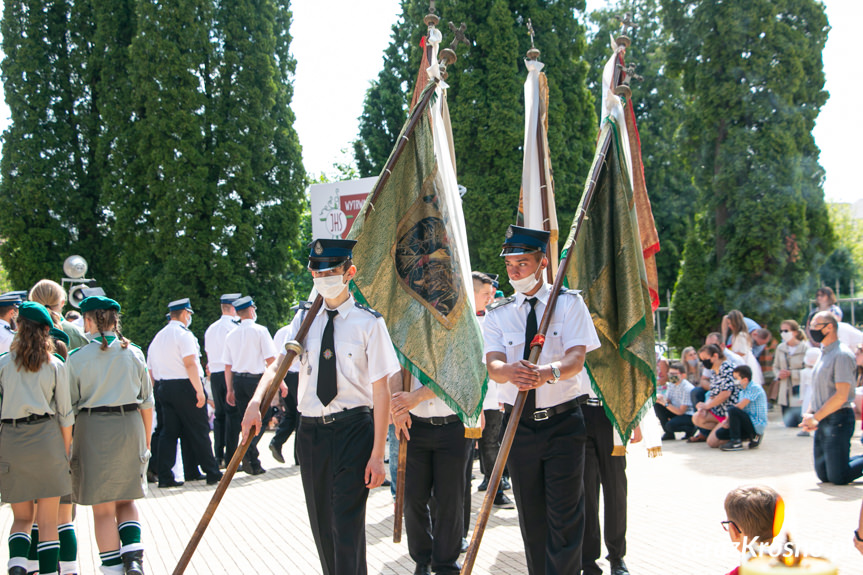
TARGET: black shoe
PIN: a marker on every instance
(386, 483)
(133, 562)
(197, 477)
(17, 570)
(484, 485)
(464, 545)
(171, 483)
(619, 567)
(422, 569)
(505, 484)
(277, 453)
(731, 446)
(214, 479)
(256, 470)
(501, 501)
(755, 441)
(152, 477)
(668, 437)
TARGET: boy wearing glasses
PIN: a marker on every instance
(755, 514)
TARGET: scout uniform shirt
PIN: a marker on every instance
(6, 336)
(110, 377)
(214, 342)
(570, 326)
(248, 347)
(364, 354)
(167, 350)
(50, 394)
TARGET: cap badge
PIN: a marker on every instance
(319, 249)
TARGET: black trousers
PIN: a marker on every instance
(333, 460)
(190, 464)
(489, 443)
(244, 389)
(601, 469)
(437, 456)
(739, 428)
(672, 422)
(546, 467)
(226, 424)
(291, 418)
(181, 417)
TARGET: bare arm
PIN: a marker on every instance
(526, 375)
(147, 417)
(190, 362)
(718, 399)
(251, 424)
(835, 403)
(375, 471)
(67, 439)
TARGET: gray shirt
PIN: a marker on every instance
(110, 377)
(836, 365)
(26, 393)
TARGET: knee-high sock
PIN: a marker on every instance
(130, 536)
(19, 547)
(33, 554)
(49, 556)
(68, 549)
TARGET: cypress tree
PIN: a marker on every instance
(486, 105)
(754, 72)
(694, 312)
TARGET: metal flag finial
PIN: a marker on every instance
(447, 55)
(431, 19)
(622, 89)
(533, 53)
(626, 23)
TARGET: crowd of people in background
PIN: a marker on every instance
(721, 393)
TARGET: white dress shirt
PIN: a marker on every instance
(434, 407)
(248, 348)
(214, 341)
(6, 336)
(490, 401)
(570, 326)
(280, 339)
(167, 350)
(364, 354)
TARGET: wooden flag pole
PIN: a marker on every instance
(400, 473)
(535, 349)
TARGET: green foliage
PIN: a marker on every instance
(157, 140)
(694, 313)
(486, 106)
(753, 71)
(839, 271)
(849, 239)
(659, 102)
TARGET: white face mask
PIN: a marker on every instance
(525, 284)
(330, 287)
(786, 336)
(189, 321)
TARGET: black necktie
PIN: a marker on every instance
(529, 333)
(327, 362)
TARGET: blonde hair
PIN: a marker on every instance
(738, 324)
(51, 295)
(795, 327)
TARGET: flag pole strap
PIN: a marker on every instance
(285, 361)
(518, 407)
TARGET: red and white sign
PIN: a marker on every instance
(334, 206)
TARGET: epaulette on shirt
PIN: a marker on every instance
(500, 303)
(9, 329)
(60, 357)
(304, 305)
(565, 291)
(74, 350)
(368, 309)
(136, 345)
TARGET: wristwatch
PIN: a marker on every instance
(555, 374)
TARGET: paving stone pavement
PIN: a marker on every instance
(675, 506)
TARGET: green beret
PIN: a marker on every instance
(35, 312)
(59, 334)
(98, 302)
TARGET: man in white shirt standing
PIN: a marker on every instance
(226, 423)
(249, 349)
(174, 360)
(9, 303)
(344, 370)
(547, 457)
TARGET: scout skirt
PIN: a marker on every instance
(109, 457)
(33, 462)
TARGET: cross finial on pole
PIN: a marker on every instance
(533, 53)
(626, 23)
(447, 55)
(431, 18)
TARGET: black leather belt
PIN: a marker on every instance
(111, 408)
(548, 412)
(337, 416)
(28, 419)
(244, 374)
(594, 401)
(436, 420)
